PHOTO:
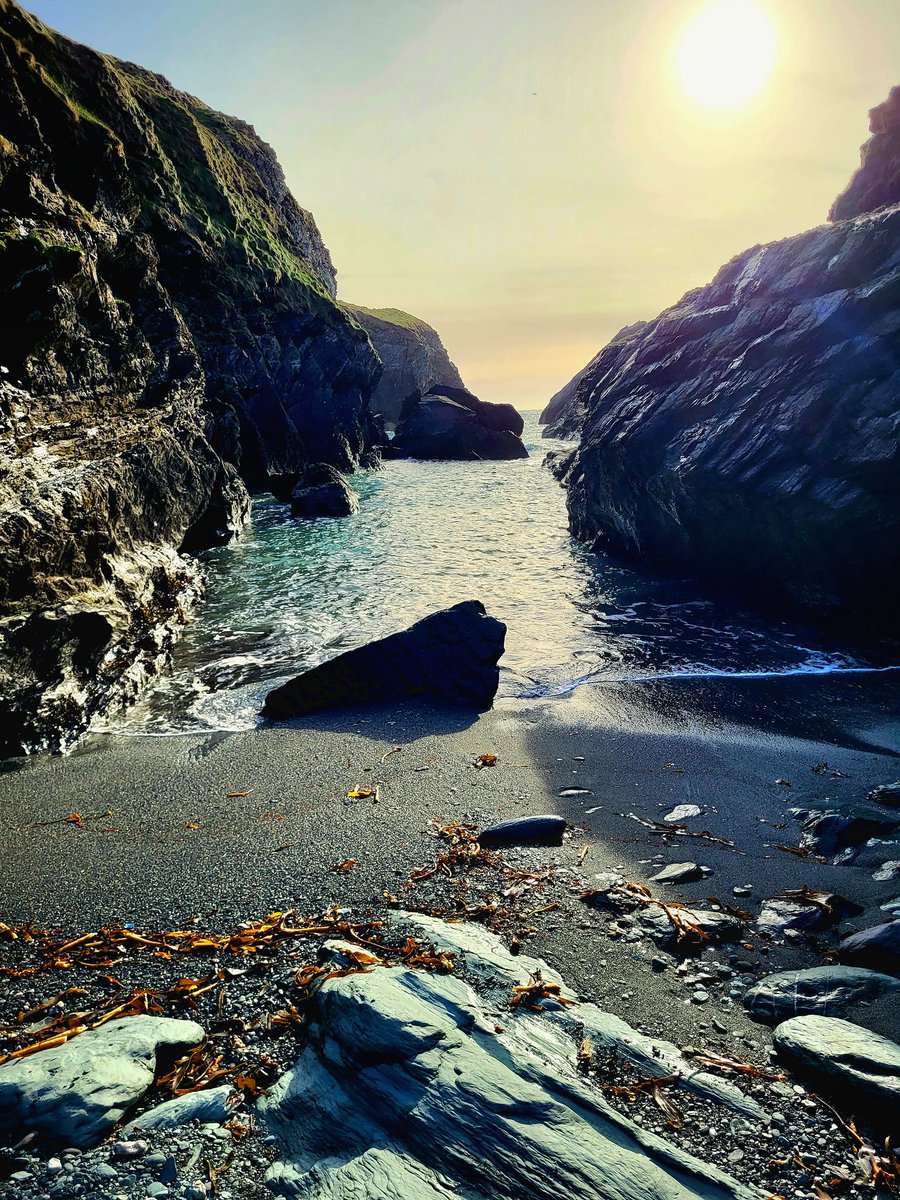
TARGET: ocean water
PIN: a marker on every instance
(290, 594)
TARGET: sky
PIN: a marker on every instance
(528, 175)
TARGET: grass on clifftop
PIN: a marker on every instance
(390, 316)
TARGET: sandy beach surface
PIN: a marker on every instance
(218, 828)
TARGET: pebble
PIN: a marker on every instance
(133, 1149)
(157, 1189)
(658, 964)
(105, 1171)
(745, 889)
(700, 996)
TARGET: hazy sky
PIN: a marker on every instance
(527, 175)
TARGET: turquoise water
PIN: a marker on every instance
(289, 594)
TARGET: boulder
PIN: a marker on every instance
(819, 991)
(436, 427)
(525, 831)
(408, 1088)
(803, 911)
(859, 1066)
(322, 491)
(748, 434)
(832, 831)
(76, 1093)
(877, 947)
(887, 794)
(449, 658)
(492, 416)
(210, 1107)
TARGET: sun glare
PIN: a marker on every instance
(726, 53)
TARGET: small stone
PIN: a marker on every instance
(157, 1189)
(745, 889)
(735, 1156)
(658, 964)
(132, 1149)
(719, 1026)
(700, 996)
(54, 1166)
(105, 1171)
(22, 1176)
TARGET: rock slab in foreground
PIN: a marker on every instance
(407, 1090)
(525, 831)
(449, 657)
(817, 991)
(76, 1093)
(849, 1057)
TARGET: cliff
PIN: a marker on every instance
(565, 410)
(413, 355)
(169, 338)
(749, 433)
(877, 182)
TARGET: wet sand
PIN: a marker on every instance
(175, 845)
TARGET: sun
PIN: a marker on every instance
(726, 53)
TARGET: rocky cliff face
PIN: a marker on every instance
(877, 182)
(413, 355)
(168, 339)
(749, 434)
(566, 409)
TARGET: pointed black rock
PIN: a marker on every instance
(449, 657)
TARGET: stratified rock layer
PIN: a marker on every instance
(749, 434)
(413, 355)
(565, 410)
(168, 336)
(408, 1089)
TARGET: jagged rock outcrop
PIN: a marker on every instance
(451, 423)
(169, 337)
(749, 434)
(877, 182)
(413, 355)
(565, 410)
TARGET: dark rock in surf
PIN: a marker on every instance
(544, 830)
(322, 491)
(448, 658)
(877, 948)
(438, 426)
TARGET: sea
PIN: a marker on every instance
(289, 594)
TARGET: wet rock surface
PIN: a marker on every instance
(755, 422)
(322, 491)
(566, 410)
(174, 341)
(412, 354)
(449, 657)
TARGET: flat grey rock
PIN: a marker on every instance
(819, 991)
(850, 1058)
(407, 1091)
(76, 1093)
(211, 1107)
(685, 872)
(681, 812)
